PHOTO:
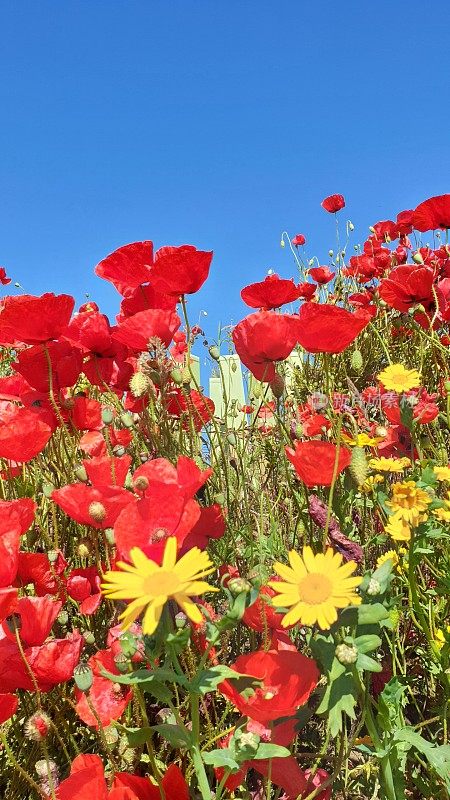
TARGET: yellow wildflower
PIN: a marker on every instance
(397, 378)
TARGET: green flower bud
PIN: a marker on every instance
(214, 352)
(238, 585)
(373, 588)
(346, 654)
(107, 416)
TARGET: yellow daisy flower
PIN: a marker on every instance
(397, 378)
(443, 513)
(398, 529)
(371, 483)
(314, 586)
(362, 440)
(150, 585)
(389, 464)
(408, 502)
(442, 473)
(389, 555)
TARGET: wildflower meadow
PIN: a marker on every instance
(231, 594)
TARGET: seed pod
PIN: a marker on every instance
(277, 386)
(127, 419)
(80, 473)
(358, 466)
(214, 352)
(357, 361)
(107, 416)
(48, 489)
(83, 676)
(97, 511)
(176, 376)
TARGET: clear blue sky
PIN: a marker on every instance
(212, 123)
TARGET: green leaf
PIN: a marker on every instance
(368, 663)
(222, 757)
(339, 697)
(271, 751)
(177, 736)
(369, 614)
(135, 736)
(146, 676)
(390, 704)
(367, 643)
(209, 679)
(437, 757)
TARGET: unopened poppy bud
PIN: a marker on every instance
(52, 556)
(231, 439)
(127, 419)
(233, 366)
(351, 227)
(214, 352)
(176, 376)
(97, 511)
(346, 654)
(37, 726)
(119, 450)
(358, 466)
(43, 767)
(371, 229)
(357, 361)
(374, 587)
(83, 676)
(48, 489)
(141, 483)
(81, 473)
(84, 548)
(282, 243)
(63, 617)
(417, 258)
(331, 253)
(139, 384)
(277, 386)
(110, 536)
(107, 416)
(219, 497)
(89, 637)
(238, 585)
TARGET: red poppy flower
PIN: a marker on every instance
(270, 293)
(404, 222)
(210, 525)
(127, 267)
(143, 298)
(284, 682)
(298, 240)
(155, 323)
(90, 331)
(308, 290)
(83, 585)
(8, 706)
(107, 470)
(32, 320)
(261, 615)
(329, 329)
(164, 511)
(173, 784)
(35, 568)
(4, 280)
(97, 506)
(24, 509)
(66, 364)
(109, 699)
(408, 286)
(314, 461)
(180, 270)
(93, 442)
(321, 275)
(333, 203)
(22, 434)
(52, 663)
(193, 408)
(263, 338)
(433, 213)
(86, 414)
(386, 230)
(8, 599)
(34, 617)
(186, 475)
